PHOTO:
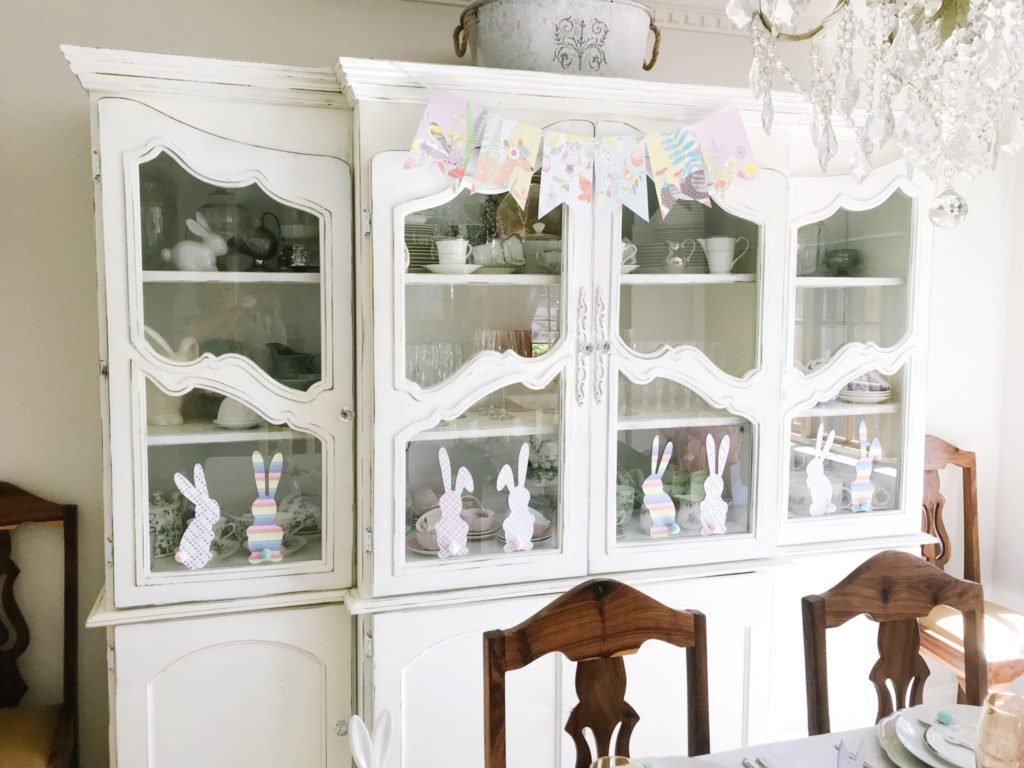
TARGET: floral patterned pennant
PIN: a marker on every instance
(508, 154)
(677, 167)
(726, 149)
(447, 135)
(620, 169)
(567, 172)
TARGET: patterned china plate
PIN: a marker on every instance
(911, 731)
(893, 747)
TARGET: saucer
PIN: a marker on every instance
(238, 424)
(452, 269)
(627, 268)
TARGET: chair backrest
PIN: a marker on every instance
(595, 624)
(938, 454)
(894, 589)
(17, 507)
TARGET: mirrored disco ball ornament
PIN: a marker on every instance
(949, 209)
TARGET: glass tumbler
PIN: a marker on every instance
(1001, 732)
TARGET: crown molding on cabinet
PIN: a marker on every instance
(102, 69)
(690, 16)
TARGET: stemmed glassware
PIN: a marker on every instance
(1001, 732)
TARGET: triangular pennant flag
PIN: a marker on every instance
(447, 135)
(620, 174)
(726, 149)
(676, 167)
(509, 152)
(567, 172)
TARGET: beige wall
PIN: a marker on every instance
(49, 387)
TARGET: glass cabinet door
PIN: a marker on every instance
(481, 415)
(229, 362)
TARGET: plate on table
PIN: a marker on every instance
(957, 754)
(912, 725)
(452, 269)
(893, 747)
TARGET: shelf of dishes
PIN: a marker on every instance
(496, 423)
(211, 432)
(172, 276)
(661, 278)
(488, 278)
(840, 281)
(662, 420)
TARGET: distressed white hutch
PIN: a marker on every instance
(358, 364)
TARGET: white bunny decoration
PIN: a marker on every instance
(518, 526)
(818, 484)
(190, 256)
(451, 528)
(370, 751)
(713, 509)
(659, 504)
(194, 551)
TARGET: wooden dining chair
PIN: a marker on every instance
(35, 736)
(596, 624)
(942, 630)
(894, 589)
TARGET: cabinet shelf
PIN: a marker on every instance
(687, 279)
(206, 432)
(649, 420)
(849, 409)
(417, 278)
(478, 426)
(824, 281)
(172, 276)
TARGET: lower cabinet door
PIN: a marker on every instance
(263, 690)
(426, 667)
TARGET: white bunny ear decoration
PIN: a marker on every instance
(709, 445)
(367, 751)
(463, 481)
(446, 469)
(821, 435)
(524, 462)
(723, 455)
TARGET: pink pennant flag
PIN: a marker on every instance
(620, 174)
(726, 149)
(677, 167)
(446, 136)
(567, 172)
(509, 151)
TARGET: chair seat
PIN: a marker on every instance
(942, 634)
(26, 736)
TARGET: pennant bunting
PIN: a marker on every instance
(447, 135)
(726, 149)
(567, 172)
(677, 167)
(509, 152)
(620, 174)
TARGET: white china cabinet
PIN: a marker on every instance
(224, 210)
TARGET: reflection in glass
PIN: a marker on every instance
(650, 417)
(484, 440)
(220, 434)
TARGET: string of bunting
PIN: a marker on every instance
(579, 171)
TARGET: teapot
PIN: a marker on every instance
(163, 409)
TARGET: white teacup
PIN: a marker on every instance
(452, 250)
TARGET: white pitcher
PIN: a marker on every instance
(720, 252)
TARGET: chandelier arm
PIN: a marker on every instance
(801, 36)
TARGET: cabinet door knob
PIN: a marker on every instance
(341, 728)
(347, 414)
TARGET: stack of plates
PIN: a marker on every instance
(913, 738)
(865, 398)
(685, 220)
(419, 239)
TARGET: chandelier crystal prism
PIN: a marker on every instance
(941, 79)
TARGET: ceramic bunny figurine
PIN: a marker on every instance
(370, 751)
(713, 509)
(190, 256)
(862, 490)
(818, 484)
(264, 534)
(451, 528)
(518, 526)
(194, 551)
(659, 504)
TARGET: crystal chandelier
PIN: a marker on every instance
(942, 79)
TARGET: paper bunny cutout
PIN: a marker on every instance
(264, 534)
(817, 483)
(659, 504)
(845, 760)
(194, 550)
(451, 528)
(862, 490)
(713, 509)
(370, 751)
(518, 526)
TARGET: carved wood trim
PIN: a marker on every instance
(13, 629)
(938, 454)
(899, 662)
(601, 688)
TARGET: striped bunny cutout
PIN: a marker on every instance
(659, 504)
(713, 509)
(451, 528)
(264, 534)
(194, 551)
(862, 490)
(518, 526)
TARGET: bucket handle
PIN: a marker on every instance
(460, 37)
(649, 65)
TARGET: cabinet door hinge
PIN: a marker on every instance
(367, 643)
(110, 657)
(367, 222)
(104, 369)
(96, 166)
(368, 541)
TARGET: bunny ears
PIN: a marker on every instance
(659, 469)
(505, 479)
(828, 443)
(370, 751)
(196, 490)
(723, 454)
(266, 482)
(463, 480)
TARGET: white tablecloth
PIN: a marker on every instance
(814, 752)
